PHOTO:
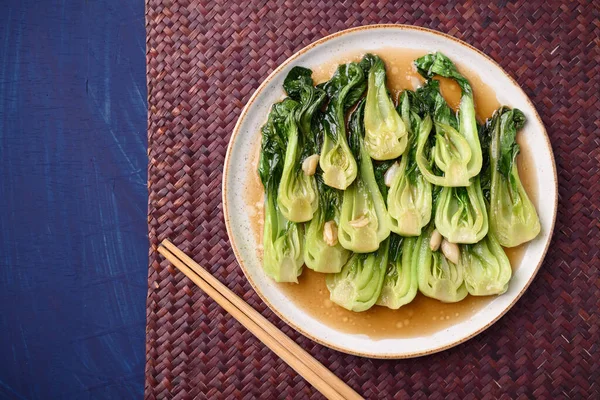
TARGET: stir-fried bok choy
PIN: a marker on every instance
(297, 196)
(322, 250)
(344, 89)
(439, 277)
(391, 200)
(457, 151)
(400, 284)
(282, 238)
(513, 218)
(364, 220)
(487, 268)
(409, 199)
(385, 132)
(461, 215)
(358, 285)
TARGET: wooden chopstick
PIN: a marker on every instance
(296, 357)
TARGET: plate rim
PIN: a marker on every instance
(236, 251)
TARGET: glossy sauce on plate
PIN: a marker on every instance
(423, 315)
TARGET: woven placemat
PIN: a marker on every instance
(204, 60)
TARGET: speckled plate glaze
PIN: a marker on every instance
(238, 167)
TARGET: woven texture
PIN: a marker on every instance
(204, 60)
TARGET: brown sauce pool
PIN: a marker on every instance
(423, 316)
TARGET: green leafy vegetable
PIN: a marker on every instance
(379, 169)
(457, 152)
(385, 132)
(409, 200)
(438, 277)
(282, 239)
(364, 220)
(297, 197)
(395, 169)
(298, 84)
(460, 214)
(358, 285)
(487, 268)
(344, 89)
(400, 283)
(319, 255)
(443, 158)
(513, 218)
(282, 259)
(485, 177)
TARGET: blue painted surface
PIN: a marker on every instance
(73, 233)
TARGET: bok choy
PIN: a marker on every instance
(297, 196)
(364, 220)
(400, 284)
(513, 217)
(385, 131)
(282, 238)
(460, 214)
(344, 89)
(457, 151)
(438, 277)
(409, 200)
(358, 285)
(487, 268)
(322, 250)
(389, 201)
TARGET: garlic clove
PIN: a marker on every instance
(359, 222)
(450, 251)
(435, 241)
(309, 165)
(391, 173)
(330, 233)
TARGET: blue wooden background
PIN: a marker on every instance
(73, 197)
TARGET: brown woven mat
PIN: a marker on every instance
(205, 58)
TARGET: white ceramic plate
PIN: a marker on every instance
(238, 166)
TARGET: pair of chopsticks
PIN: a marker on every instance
(302, 362)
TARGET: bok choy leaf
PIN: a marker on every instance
(409, 200)
(364, 220)
(487, 268)
(322, 250)
(513, 217)
(461, 215)
(358, 285)
(385, 131)
(457, 151)
(282, 238)
(297, 196)
(400, 284)
(344, 89)
(438, 277)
